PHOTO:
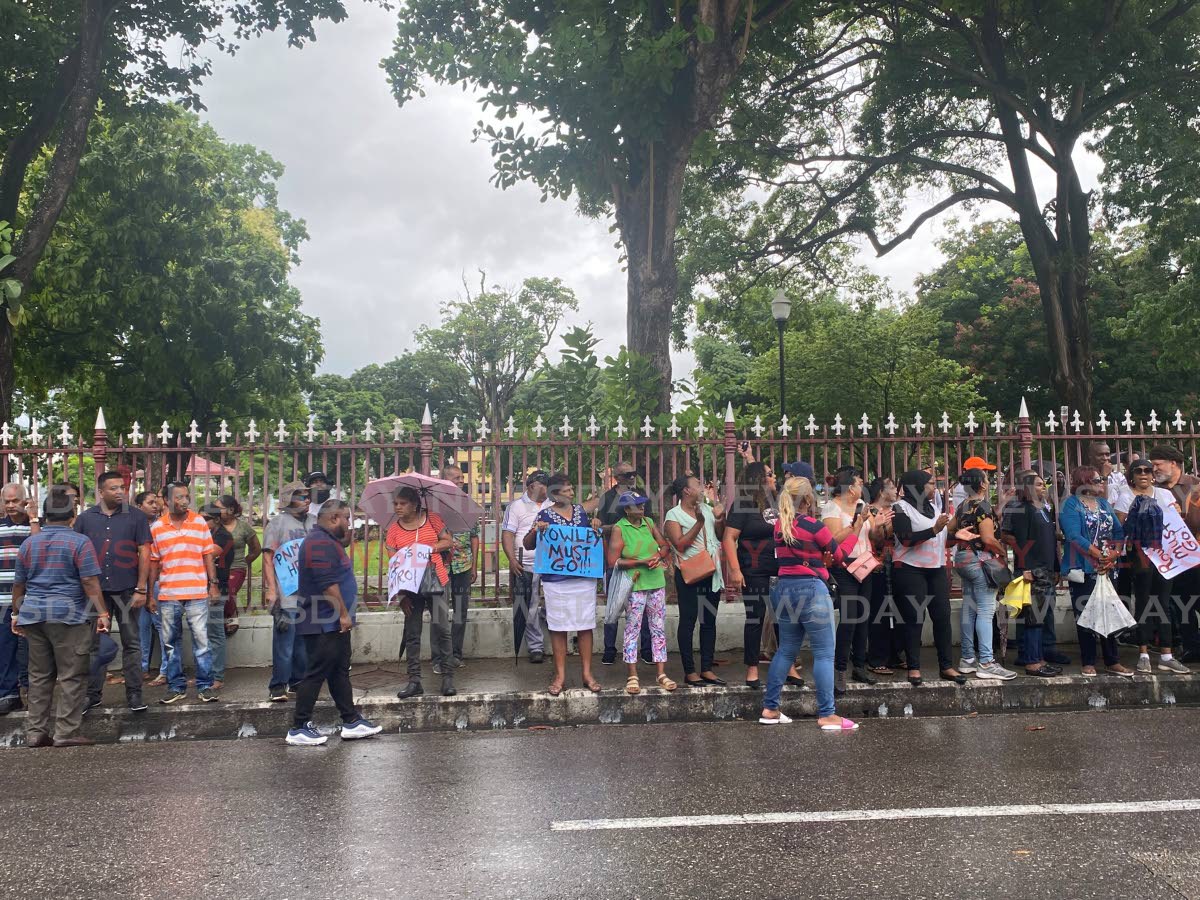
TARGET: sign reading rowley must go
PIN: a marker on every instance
(565, 550)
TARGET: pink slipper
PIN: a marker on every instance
(846, 725)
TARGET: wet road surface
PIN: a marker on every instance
(476, 815)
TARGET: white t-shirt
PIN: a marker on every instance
(519, 519)
(1164, 497)
(832, 511)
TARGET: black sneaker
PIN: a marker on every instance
(173, 697)
(412, 689)
(10, 704)
(207, 696)
(537, 657)
(90, 705)
(278, 696)
(609, 658)
(138, 705)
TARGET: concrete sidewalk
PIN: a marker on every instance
(497, 694)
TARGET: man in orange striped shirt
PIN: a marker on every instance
(182, 563)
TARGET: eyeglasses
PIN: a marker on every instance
(1097, 481)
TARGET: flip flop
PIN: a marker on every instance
(555, 690)
(594, 687)
(846, 725)
(781, 719)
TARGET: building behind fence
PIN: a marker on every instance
(253, 464)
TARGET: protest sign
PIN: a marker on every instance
(406, 571)
(287, 567)
(566, 550)
(1180, 550)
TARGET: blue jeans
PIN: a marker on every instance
(978, 609)
(14, 659)
(289, 660)
(149, 625)
(173, 613)
(802, 605)
(216, 638)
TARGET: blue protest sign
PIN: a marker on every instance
(287, 567)
(564, 550)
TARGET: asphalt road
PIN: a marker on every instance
(480, 815)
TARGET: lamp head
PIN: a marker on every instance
(781, 306)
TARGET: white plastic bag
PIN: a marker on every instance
(1105, 612)
(620, 586)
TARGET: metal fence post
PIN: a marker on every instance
(100, 442)
(1025, 436)
(730, 455)
(426, 441)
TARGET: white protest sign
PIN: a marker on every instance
(407, 569)
(1180, 550)
(287, 567)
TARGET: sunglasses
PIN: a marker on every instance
(1142, 470)
(1097, 481)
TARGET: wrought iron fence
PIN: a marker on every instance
(253, 464)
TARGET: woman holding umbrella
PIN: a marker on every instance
(570, 600)
(416, 525)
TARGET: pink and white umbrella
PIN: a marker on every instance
(456, 509)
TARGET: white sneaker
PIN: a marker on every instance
(362, 728)
(994, 672)
(782, 720)
(966, 666)
(308, 736)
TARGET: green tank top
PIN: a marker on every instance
(640, 544)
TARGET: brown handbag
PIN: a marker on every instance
(696, 568)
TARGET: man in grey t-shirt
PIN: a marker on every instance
(288, 658)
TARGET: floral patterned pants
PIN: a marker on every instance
(655, 605)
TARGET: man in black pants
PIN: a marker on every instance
(328, 595)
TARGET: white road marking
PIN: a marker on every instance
(880, 815)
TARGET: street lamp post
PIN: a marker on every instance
(781, 308)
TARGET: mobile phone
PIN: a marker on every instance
(745, 446)
(874, 510)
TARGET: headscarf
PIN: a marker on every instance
(912, 489)
(1144, 523)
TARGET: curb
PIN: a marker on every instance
(500, 711)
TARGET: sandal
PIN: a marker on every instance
(632, 686)
(882, 670)
(555, 688)
(593, 686)
(666, 683)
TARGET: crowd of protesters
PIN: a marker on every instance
(854, 564)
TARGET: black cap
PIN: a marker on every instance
(537, 476)
(313, 476)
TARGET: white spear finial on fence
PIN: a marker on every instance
(997, 422)
(369, 430)
(339, 431)
(701, 428)
(729, 419)
(757, 427)
(1128, 422)
(223, 433)
(511, 428)
(620, 428)
(455, 430)
(35, 436)
(647, 429)
(565, 428)
(1179, 422)
(252, 433)
(484, 429)
(397, 429)
(593, 427)
(193, 432)
(100, 425)
(811, 426)
(281, 431)
(5, 434)
(891, 424)
(785, 427)
(538, 428)
(838, 427)
(864, 425)
(426, 416)
(1077, 422)
(1051, 422)
(917, 424)
(310, 430)
(164, 434)
(972, 424)
(135, 435)
(673, 429)
(1102, 423)
(64, 434)
(1153, 421)
(945, 423)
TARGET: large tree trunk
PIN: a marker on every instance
(77, 114)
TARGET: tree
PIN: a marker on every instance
(59, 58)
(626, 89)
(165, 292)
(497, 337)
(937, 95)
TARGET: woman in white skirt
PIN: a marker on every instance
(570, 599)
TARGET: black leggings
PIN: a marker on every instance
(854, 619)
(1152, 607)
(754, 595)
(915, 591)
(696, 601)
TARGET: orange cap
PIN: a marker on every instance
(978, 462)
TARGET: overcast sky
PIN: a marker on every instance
(398, 202)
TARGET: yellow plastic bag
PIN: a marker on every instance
(1017, 595)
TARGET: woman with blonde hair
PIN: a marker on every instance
(802, 604)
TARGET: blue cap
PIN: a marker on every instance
(800, 469)
(631, 498)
